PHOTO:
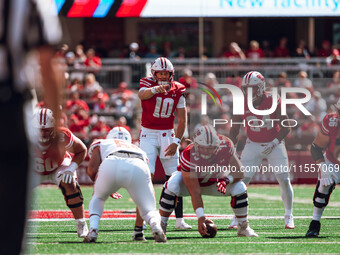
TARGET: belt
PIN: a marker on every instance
(125, 154)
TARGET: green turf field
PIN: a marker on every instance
(59, 237)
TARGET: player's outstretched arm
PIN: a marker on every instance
(94, 164)
(79, 150)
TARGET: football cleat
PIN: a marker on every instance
(181, 224)
(138, 236)
(164, 225)
(82, 229)
(157, 233)
(243, 229)
(233, 224)
(314, 229)
(91, 236)
(289, 222)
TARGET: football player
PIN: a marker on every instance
(161, 96)
(117, 163)
(192, 178)
(264, 141)
(54, 163)
(328, 139)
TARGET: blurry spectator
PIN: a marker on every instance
(281, 51)
(166, 49)
(92, 60)
(317, 106)
(91, 85)
(234, 52)
(254, 51)
(75, 85)
(309, 127)
(61, 52)
(210, 79)
(78, 123)
(234, 80)
(133, 54)
(303, 82)
(122, 91)
(282, 81)
(267, 52)
(80, 56)
(122, 123)
(187, 80)
(98, 100)
(334, 58)
(180, 53)
(70, 57)
(152, 52)
(325, 50)
(75, 102)
(99, 129)
(333, 88)
(302, 51)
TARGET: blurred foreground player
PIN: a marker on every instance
(117, 163)
(54, 163)
(265, 140)
(208, 150)
(328, 139)
(23, 29)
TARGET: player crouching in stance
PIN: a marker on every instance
(327, 139)
(208, 149)
(116, 163)
(54, 163)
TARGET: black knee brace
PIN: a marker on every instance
(167, 202)
(236, 201)
(317, 194)
(74, 195)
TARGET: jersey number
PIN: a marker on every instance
(256, 124)
(47, 165)
(163, 108)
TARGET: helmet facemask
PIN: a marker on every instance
(162, 65)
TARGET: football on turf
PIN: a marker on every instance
(211, 229)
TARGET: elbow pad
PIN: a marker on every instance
(316, 152)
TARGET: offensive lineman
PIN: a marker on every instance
(53, 162)
(327, 139)
(116, 163)
(209, 149)
(161, 96)
(264, 141)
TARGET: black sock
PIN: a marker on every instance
(138, 229)
(179, 208)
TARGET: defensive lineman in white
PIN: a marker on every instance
(264, 141)
(116, 163)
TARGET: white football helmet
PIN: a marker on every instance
(206, 141)
(119, 133)
(44, 120)
(255, 80)
(162, 64)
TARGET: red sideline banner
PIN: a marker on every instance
(301, 166)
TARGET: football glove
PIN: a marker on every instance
(68, 177)
(270, 147)
(326, 175)
(222, 185)
(116, 195)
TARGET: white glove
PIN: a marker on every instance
(270, 147)
(326, 175)
(68, 173)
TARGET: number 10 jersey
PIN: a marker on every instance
(158, 111)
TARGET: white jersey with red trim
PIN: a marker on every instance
(47, 160)
(108, 146)
(158, 111)
(189, 161)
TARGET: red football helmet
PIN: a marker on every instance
(162, 65)
(206, 141)
(44, 120)
(256, 81)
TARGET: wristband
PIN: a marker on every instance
(72, 167)
(230, 178)
(199, 212)
(276, 141)
(177, 141)
(153, 90)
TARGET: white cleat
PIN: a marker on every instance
(181, 224)
(244, 230)
(138, 236)
(233, 224)
(82, 229)
(157, 233)
(91, 236)
(289, 222)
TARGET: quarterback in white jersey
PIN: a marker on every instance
(116, 163)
